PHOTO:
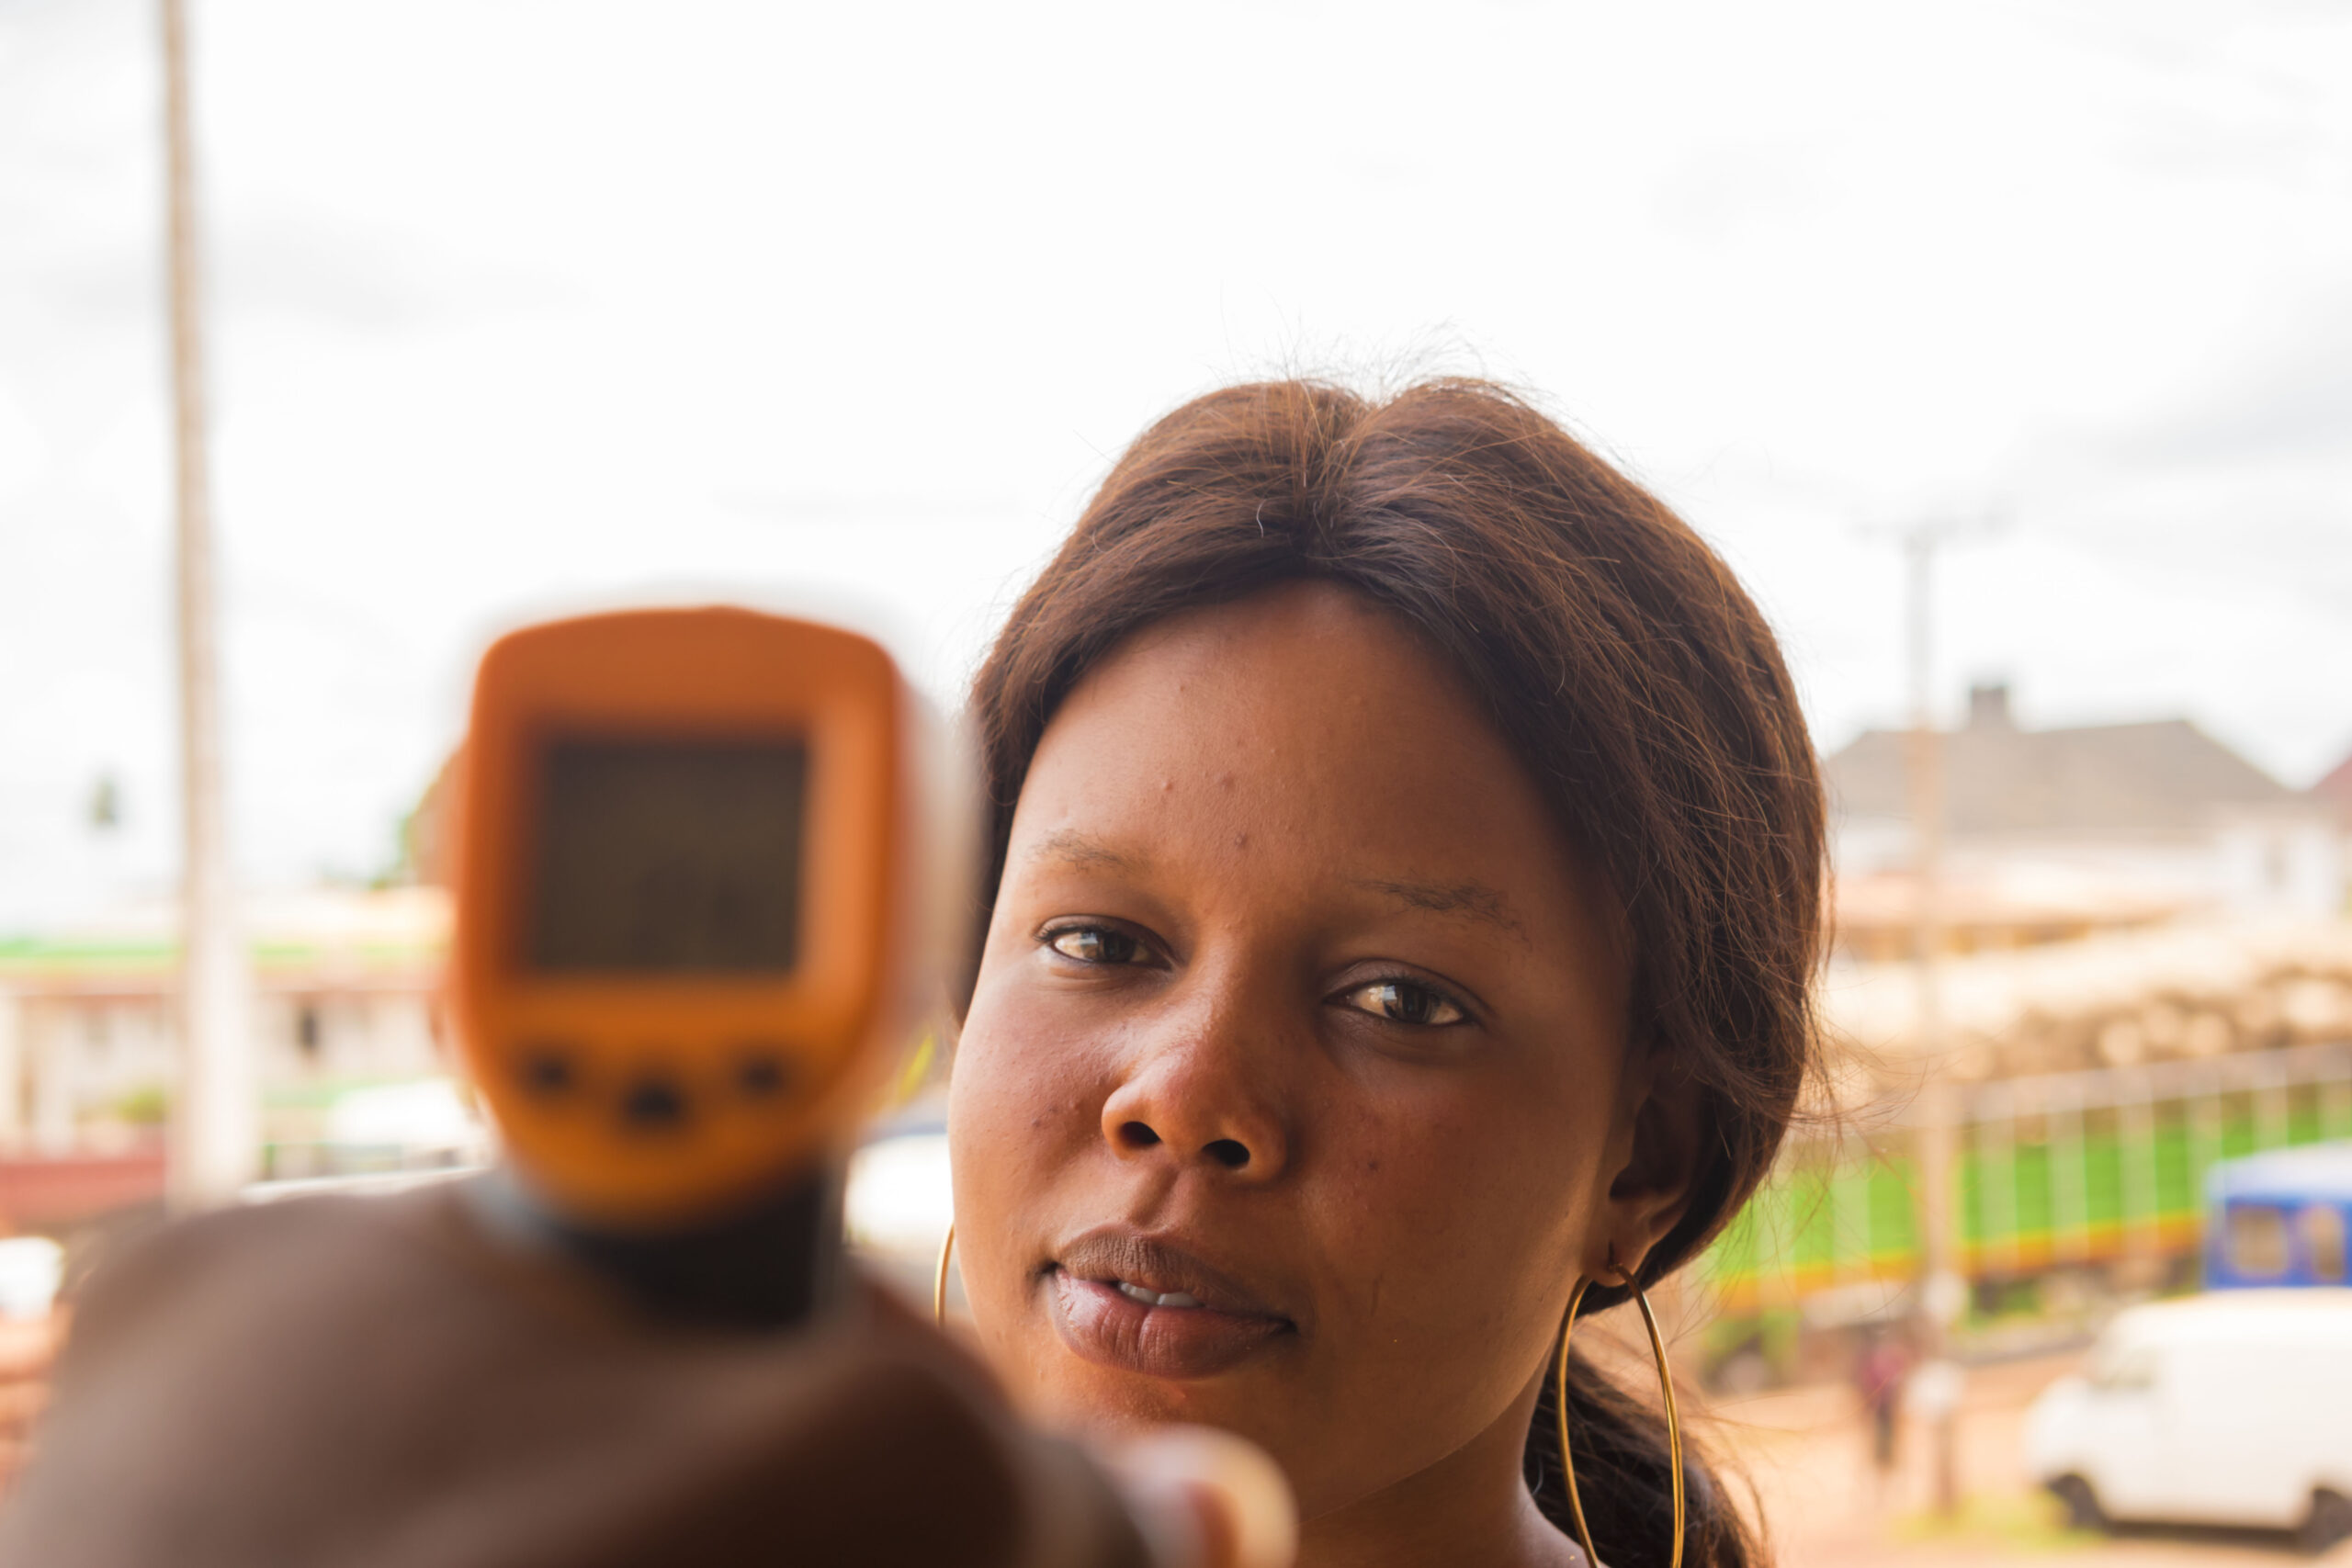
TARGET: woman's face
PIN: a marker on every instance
(1294, 1095)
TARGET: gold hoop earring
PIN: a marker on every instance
(939, 1281)
(1666, 1383)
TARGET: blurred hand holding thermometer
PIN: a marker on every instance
(706, 868)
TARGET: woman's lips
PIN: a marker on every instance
(1104, 1325)
(1126, 1300)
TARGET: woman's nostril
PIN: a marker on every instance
(1230, 1153)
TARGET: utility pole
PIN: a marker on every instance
(216, 1119)
(1941, 1290)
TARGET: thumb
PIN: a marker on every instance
(1205, 1499)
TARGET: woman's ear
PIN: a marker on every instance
(1651, 1188)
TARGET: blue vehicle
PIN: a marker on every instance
(2280, 1218)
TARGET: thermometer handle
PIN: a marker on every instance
(769, 1266)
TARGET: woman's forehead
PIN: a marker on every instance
(1303, 726)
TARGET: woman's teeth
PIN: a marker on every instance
(1153, 1298)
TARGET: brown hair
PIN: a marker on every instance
(1621, 661)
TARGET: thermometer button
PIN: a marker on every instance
(654, 1105)
(762, 1071)
(545, 1068)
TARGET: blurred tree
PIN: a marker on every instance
(418, 855)
(106, 803)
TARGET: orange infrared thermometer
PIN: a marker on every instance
(700, 910)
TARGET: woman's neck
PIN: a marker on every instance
(1470, 1508)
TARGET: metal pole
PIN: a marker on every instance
(2136, 1141)
(2069, 1184)
(216, 1120)
(1941, 1290)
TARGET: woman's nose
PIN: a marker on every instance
(1195, 1100)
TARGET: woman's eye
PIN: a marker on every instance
(1093, 944)
(1405, 1002)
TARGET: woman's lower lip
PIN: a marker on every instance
(1103, 1325)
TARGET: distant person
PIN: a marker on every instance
(1880, 1372)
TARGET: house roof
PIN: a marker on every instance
(2164, 777)
(2337, 787)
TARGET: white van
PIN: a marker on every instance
(2229, 1408)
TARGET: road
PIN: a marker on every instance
(1806, 1453)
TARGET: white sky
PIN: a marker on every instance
(518, 304)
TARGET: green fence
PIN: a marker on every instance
(2069, 1169)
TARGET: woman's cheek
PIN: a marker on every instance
(1023, 1085)
(1017, 1113)
(1468, 1202)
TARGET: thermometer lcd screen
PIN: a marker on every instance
(678, 857)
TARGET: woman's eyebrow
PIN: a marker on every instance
(1073, 848)
(1473, 899)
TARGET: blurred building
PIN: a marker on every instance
(88, 1042)
(2053, 834)
(2112, 895)
(2336, 789)
(2147, 970)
